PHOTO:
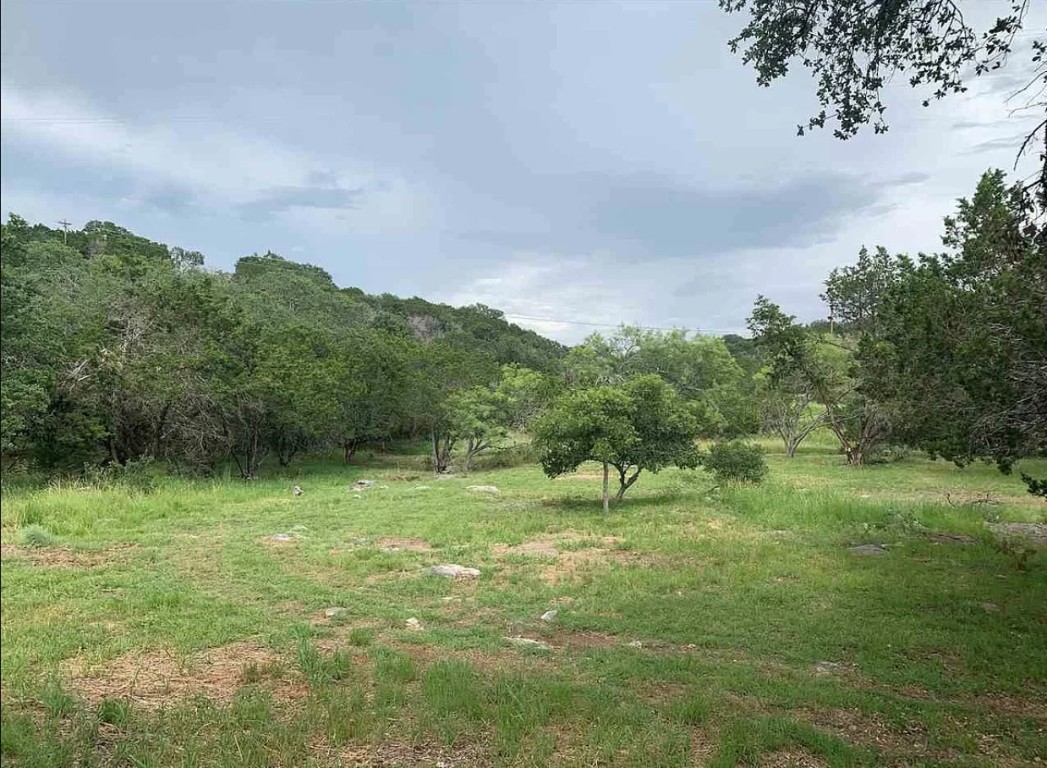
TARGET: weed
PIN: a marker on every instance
(37, 537)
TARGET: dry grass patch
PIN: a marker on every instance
(401, 755)
(155, 679)
(403, 544)
(791, 758)
(870, 730)
(62, 557)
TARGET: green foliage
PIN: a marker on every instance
(852, 50)
(37, 537)
(701, 369)
(641, 424)
(116, 348)
(960, 337)
(733, 461)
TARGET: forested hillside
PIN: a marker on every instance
(116, 348)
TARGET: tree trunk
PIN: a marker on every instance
(790, 447)
(349, 450)
(606, 489)
(623, 483)
(855, 457)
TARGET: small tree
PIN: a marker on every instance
(788, 409)
(642, 424)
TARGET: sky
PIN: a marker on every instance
(575, 164)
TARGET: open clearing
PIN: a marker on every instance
(230, 623)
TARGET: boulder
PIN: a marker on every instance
(453, 571)
(483, 489)
(362, 485)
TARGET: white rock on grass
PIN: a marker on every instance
(335, 611)
(453, 571)
(414, 625)
(483, 489)
(362, 485)
(527, 642)
(281, 538)
(549, 616)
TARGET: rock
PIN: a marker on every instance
(362, 485)
(832, 667)
(483, 489)
(635, 644)
(867, 550)
(281, 538)
(446, 476)
(297, 490)
(453, 571)
(414, 625)
(990, 607)
(1034, 535)
(951, 538)
(421, 488)
(549, 616)
(527, 642)
(335, 611)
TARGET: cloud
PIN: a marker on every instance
(196, 164)
(653, 216)
(279, 199)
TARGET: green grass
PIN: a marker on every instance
(162, 628)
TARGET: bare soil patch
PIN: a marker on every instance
(793, 757)
(391, 753)
(570, 553)
(61, 557)
(866, 729)
(403, 544)
(153, 679)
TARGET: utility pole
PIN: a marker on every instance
(65, 232)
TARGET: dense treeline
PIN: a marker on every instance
(943, 352)
(116, 348)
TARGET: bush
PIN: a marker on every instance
(732, 461)
(37, 536)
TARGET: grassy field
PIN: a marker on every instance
(693, 626)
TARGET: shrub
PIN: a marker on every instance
(732, 461)
(37, 536)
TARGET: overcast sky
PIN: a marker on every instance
(579, 161)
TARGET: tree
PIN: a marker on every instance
(961, 346)
(788, 408)
(853, 48)
(825, 365)
(641, 424)
(700, 368)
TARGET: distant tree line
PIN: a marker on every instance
(943, 352)
(115, 348)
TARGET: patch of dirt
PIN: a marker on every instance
(153, 679)
(61, 557)
(702, 749)
(403, 544)
(869, 730)
(794, 757)
(569, 639)
(391, 753)
(572, 552)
